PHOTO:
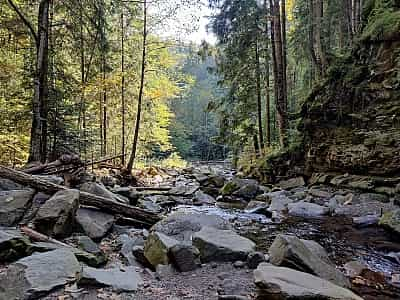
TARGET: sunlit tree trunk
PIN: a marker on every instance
(259, 99)
(141, 90)
(122, 88)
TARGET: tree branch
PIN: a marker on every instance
(25, 21)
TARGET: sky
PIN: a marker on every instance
(188, 25)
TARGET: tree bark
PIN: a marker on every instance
(267, 83)
(259, 104)
(280, 76)
(88, 199)
(141, 90)
(122, 88)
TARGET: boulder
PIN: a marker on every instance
(56, 216)
(149, 206)
(291, 183)
(307, 210)
(304, 255)
(94, 223)
(13, 205)
(254, 259)
(279, 201)
(182, 225)
(365, 221)
(257, 207)
(184, 189)
(367, 197)
(281, 283)
(86, 244)
(185, 257)
(316, 192)
(248, 191)
(120, 280)
(236, 183)
(100, 190)
(8, 185)
(391, 220)
(221, 245)
(128, 243)
(201, 198)
(38, 274)
(13, 245)
(157, 247)
(354, 268)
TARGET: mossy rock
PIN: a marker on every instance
(229, 188)
(391, 220)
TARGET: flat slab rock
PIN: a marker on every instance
(222, 245)
(13, 205)
(307, 210)
(39, 274)
(121, 280)
(281, 283)
(305, 255)
(94, 223)
(12, 245)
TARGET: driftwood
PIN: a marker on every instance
(104, 204)
(38, 237)
(62, 161)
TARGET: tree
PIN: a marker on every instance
(38, 143)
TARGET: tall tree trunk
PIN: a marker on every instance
(284, 52)
(280, 76)
(141, 90)
(122, 88)
(259, 100)
(104, 107)
(267, 84)
(321, 57)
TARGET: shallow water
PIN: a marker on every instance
(340, 239)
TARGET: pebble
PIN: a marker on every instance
(239, 264)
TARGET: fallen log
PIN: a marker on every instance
(104, 204)
(39, 237)
(62, 161)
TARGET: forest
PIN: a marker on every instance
(199, 149)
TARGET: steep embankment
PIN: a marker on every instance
(351, 121)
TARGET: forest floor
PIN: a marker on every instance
(374, 248)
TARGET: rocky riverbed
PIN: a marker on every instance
(221, 236)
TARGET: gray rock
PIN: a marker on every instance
(51, 178)
(391, 220)
(13, 245)
(307, 210)
(157, 247)
(185, 257)
(279, 201)
(100, 190)
(248, 191)
(236, 183)
(120, 280)
(94, 223)
(184, 189)
(367, 197)
(13, 205)
(149, 206)
(138, 253)
(8, 185)
(182, 225)
(291, 183)
(239, 264)
(201, 198)
(128, 243)
(221, 245)
(86, 244)
(365, 221)
(315, 192)
(307, 256)
(354, 268)
(38, 274)
(281, 283)
(254, 259)
(56, 216)
(258, 207)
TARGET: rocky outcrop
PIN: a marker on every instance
(350, 123)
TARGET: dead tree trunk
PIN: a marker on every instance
(88, 199)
